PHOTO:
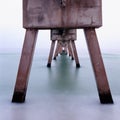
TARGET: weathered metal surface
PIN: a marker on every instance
(57, 51)
(46, 14)
(63, 34)
(65, 43)
(64, 15)
(70, 51)
(25, 66)
(51, 54)
(98, 66)
(75, 54)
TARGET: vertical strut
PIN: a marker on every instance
(25, 65)
(98, 66)
(51, 53)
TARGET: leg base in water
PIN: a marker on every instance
(48, 65)
(106, 98)
(18, 97)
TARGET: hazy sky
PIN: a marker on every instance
(12, 33)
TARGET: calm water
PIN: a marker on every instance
(61, 92)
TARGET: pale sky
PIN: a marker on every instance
(12, 33)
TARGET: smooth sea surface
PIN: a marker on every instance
(62, 92)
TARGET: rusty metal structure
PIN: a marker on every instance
(61, 14)
(65, 44)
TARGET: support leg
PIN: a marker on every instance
(25, 66)
(56, 51)
(51, 53)
(98, 66)
(75, 54)
(70, 50)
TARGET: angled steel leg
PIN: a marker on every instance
(98, 66)
(70, 50)
(51, 53)
(75, 54)
(56, 51)
(25, 66)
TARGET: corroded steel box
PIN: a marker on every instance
(64, 35)
(47, 14)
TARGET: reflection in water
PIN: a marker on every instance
(42, 102)
(63, 77)
(17, 112)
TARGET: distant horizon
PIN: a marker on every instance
(81, 52)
